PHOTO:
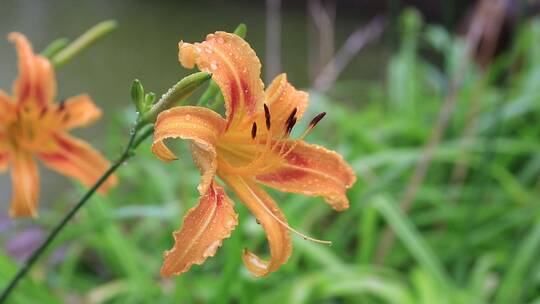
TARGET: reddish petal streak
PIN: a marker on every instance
(65, 145)
(53, 157)
(25, 91)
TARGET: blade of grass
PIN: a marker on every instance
(412, 239)
(513, 282)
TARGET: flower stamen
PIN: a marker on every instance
(312, 124)
(254, 130)
(284, 224)
(267, 117)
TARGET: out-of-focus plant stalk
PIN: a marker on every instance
(85, 40)
(54, 47)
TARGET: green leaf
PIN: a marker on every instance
(412, 239)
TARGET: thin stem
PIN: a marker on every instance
(126, 154)
(85, 40)
(143, 133)
(210, 93)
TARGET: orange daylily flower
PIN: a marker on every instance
(249, 148)
(32, 126)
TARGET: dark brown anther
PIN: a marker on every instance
(291, 116)
(62, 105)
(290, 126)
(316, 120)
(267, 116)
(254, 130)
(43, 112)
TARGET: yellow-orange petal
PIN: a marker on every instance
(75, 158)
(272, 220)
(312, 170)
(4, 160)
(7, 107)
(282, 98)
(203, 230)
(4, 151)
(25, 185)
(200, 125)
(234, 67)
(6, 110)
(36, 84)
(78, 111)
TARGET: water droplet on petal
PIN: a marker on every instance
(208, 50)
(198, 49)
(220, 40)
(213, 66)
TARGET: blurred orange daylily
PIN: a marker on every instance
(249, 148)
(32, 126)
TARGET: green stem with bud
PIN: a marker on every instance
(180, 91)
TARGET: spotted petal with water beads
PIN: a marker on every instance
(250, 147)
(32, 126)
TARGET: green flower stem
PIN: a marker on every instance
(211, 92)
(85, 40)
(143, 134)
(180, 91)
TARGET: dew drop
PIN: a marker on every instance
(209, 51)
(220, 40)
(188, 117)
(198, 49)
(213, 66)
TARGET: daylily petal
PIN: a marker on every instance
(6, 106)
(4, 160)
(271, 218)
(25, 185)
(77, 159)
(312, 170)
(4, 152)
(234, 67)
(282, 98)
(36, 82)
(200, 125)
(79, 111)
(204, 228)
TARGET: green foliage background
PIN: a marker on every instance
(472, 243)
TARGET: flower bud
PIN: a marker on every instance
(137, 95)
